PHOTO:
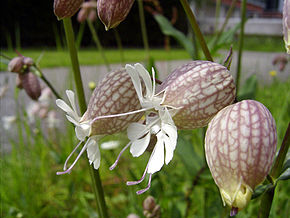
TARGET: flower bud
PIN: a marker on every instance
(88, 11)
(31, 85)
(66, 8)
(113, 12)
(115, 94)
(16, 64)
(200, 89)
(28, 61)
(286, 24)
(150, 208)
(240, 145)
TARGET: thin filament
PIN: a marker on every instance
(118, 158)
(119, 115)
(67, 159)
(140, 180)
(78, 157)
(145, 189)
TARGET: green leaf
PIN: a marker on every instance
(285, 175)
(286, 165)
(248, 90)
(261, 189)
(191, 160)
(167, 29)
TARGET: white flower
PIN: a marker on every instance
(8, 121)
(158, 122)
(110, 145)
(83, 130)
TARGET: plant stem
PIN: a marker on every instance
(229, 14)
(267, 198)
(97, 184)
(119, 44)
(241, 43)
(196, 29)
(278, 165)
(98, 43)
(143, 28)
(217, 14)
(41, 76)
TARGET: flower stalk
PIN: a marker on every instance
(196, 29)
(143, 28)
(267, 198)
(241, 43)
(96, 180)
(98, 43)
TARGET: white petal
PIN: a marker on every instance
(169, 148)
(82, 132)
(93, 152)
(139, 146)
(71, 97)
(136, 81)
(146, 78)
(156, 160)
(136, 130)
(110, 145)
(62, 105)
(72, 120)
(153, 80)
(171, 131)
(166, 117)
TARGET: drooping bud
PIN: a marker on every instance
(286, 24)
(200, 89)
(240, 145)
(66, 8)
(150, 208)
(16, 64)
(115, 94)
(88, 11)
(28, 61)
(113, 12)
(31, 85)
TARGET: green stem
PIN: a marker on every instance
(241, 43)
(97, 184)
(229, 14)
(119, 44)
(217, 14)
(143, 28)
(196, 29)
(278, 165)
(41, 76)
(267, 198)
(98, 43)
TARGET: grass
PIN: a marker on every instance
(53, 58)
(30, 188)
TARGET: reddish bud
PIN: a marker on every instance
(31, 85)
(115, 94)
(16, 64)
(113, 12)
(240, 145)
(200, 89)
(66, 8)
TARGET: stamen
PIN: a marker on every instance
(65, 163)
(145, 189)
(118, 158)
(140, 180)
(119, 115)
(78, 157)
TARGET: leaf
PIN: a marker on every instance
(248, 90)
(285, 175)
(286, 165)
(261, 189)
(167, 29)
(191, 160)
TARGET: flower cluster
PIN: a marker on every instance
(240, 141)
(25, 79)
